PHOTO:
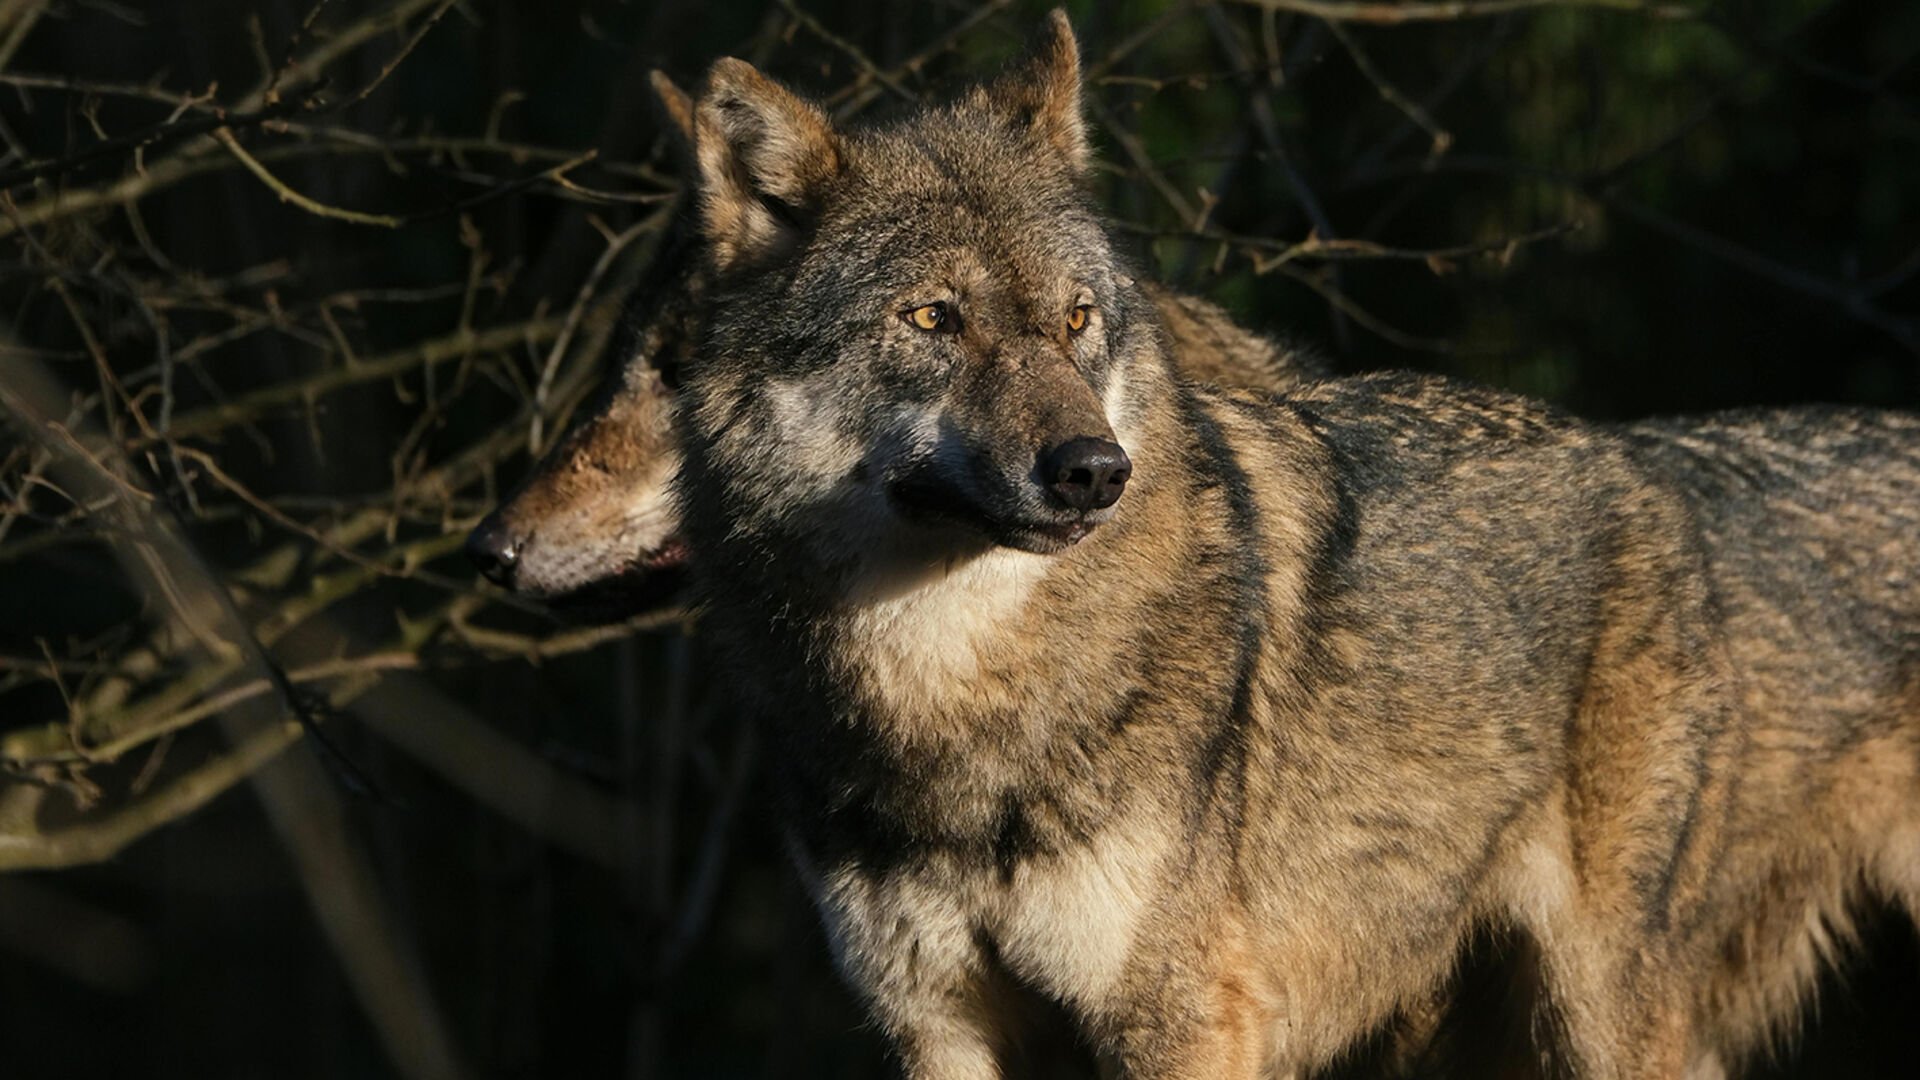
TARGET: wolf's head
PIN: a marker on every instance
(919, 331)
(593, 529)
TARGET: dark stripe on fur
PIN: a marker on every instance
(1222, 761)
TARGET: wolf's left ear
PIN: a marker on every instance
(765, 157)
(1044, 91)
(675, 106)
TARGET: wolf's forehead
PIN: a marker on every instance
(960, 236)
(935, 222)
(965, 160)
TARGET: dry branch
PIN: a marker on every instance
(288, 195)
(253, 406)
(23, 846)
(1400, 12)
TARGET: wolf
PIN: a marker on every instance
(591, 530)
(1223, 721)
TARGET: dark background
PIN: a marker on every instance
(541, 851)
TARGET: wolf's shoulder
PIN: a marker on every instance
(1209, 346)
(1425, 448)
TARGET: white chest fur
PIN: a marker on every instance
(1067, 923)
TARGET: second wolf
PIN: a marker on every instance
(1224, 722)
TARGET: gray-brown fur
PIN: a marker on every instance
(1207, 346)
(1342, 680)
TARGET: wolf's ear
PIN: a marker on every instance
(765, 156)
(1044, 91)
(676, 106)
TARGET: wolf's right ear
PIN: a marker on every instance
(765, 155)
(1043, 92)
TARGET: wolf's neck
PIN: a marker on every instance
(921, 649)
(999, 686)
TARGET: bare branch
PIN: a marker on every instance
(1383, 13)
(1442, 139)
(287, 194)
(104, 837)
(543, 389)
(298, 797)
(867, 67)
(434, 351)
(17, 19)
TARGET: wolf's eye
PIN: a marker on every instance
(928, 316)
(1077, 318)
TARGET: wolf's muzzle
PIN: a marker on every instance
(1086, 474)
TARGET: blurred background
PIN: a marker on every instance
(291, 292)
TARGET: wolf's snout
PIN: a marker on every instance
(1087, 474)
(494, 549)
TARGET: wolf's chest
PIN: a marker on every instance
(1066, 923)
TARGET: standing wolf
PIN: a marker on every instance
(1223, 722)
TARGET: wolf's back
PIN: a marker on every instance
(1812, 519)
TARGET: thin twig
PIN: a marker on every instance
(544, 386)
(212, 418)
(852, 51)
(1401, 12)
(101, 838)
(18, 19)
(1442, 139)
(172, 129)
(289, 195)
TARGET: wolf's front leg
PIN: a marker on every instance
(946, 1020)
(1622, 1020)
(942, 1046)
(906, 944)
(1196, 1015)
(1186, 1045)
(1618, 976)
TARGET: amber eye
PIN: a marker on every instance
(928, 316)
(1077, 318)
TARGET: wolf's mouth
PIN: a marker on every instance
(654, 582)
(929, 501)
(672, 553)
(1057, 537)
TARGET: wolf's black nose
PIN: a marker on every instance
(493, 550)
(1087, 474)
